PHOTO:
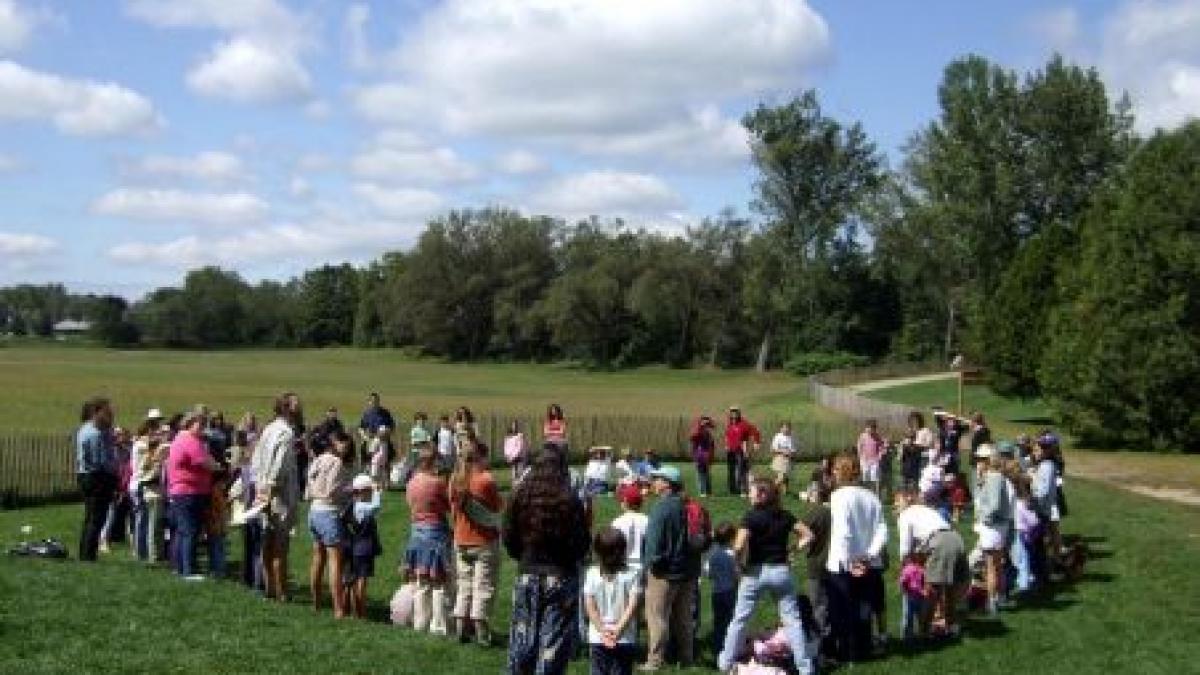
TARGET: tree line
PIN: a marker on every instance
(1027, 227)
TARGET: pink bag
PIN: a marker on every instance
(402, 605)
(755, 668)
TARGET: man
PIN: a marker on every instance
(96, 472)
(321, 438)
(278, 486)
(373, 417)
(672, 568)
(738, 436)
(922, 530)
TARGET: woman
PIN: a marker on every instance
(475, 502)
(857, 537)
(554, 430)
(703, 448)
(516, 449)
(326, 491)
(249, 425)
(116, 522)
(427, 559)
(190, 470)
(994, 500)
(546, 531)
(762, 544)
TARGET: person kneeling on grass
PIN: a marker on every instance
(361, 545)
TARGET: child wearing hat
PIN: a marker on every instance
(632, 523)
(362, 544)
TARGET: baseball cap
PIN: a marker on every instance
(154, 414)
(669, 474)
(986, 450)
(362, 482)
(1007, 448)
(629, 494)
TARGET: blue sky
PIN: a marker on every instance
(141, 138)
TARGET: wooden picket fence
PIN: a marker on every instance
(37, 468)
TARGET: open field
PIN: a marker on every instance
(41, 387)
(1133, 612)
(1177, 474)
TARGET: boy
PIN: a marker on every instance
(721, 569)
(631, 523)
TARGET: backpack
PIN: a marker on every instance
(699, 526)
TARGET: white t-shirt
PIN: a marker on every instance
(612, 595)
(445, 440)
(783, 443)
(931, 478)
(857, 529)
(916, 525)
(598, 469)
(633, 525)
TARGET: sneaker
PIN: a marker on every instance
(195, 577)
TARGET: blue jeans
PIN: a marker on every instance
(216, 556)
(141, 524)
(911, 608)
(722, 611)
(544, 624)
(189, 512)
(776, 580)
(705, 476)
(252, 572)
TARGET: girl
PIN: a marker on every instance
(249, 426)
(427, 558)
(1029, 535)
(141, 523)
(464, 430)
(418, 436)
(516, 449)
(381, 452)
(783, 451)
(871, 447)
(704, 447)
(326, 490)
(361, 546)
(476, 504)
(149, 480)
(242, 493)
(611, 592)
(598, 471)
(554, 429)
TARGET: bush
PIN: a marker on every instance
(811, 363)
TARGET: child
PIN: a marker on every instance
(446, 442)
(820, 480)
(611, 592)
(721, 570)
(912, 589)
(783, 451)
(1027, 544)
(242, 493)
(381, 455)
(958, 495)
(516, 449)
(554, 429)
(362, 543)
(149, 479)
(598, 471)
(631, 523)
(651, 461)
(217, 526)
(627, 467)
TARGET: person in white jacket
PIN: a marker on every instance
(857, 537)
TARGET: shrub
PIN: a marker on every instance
(811, 363)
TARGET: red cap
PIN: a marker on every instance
(630, 495)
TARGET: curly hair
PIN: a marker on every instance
(543, 504)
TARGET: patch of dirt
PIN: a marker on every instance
(899, 382)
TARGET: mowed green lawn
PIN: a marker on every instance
(41, 387)
(1133, 612)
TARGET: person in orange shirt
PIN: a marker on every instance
(476, 506)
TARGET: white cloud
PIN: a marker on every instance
(354, 37)
(300, 188)
(1152, 50)
(315, 161)
(703, 135)
(258, 62)
(210, 208)
(77, 107)
(209, 166)
(18, 244)
(304, 243)
(607, 194)
(582, 72)
(16, 26)
(403, 203)
(520, 163)
(318, 109)
(402, 157)
(247, 71)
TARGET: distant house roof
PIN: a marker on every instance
(72, 326)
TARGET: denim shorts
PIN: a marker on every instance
(326, 527)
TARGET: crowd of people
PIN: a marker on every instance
(177, 486)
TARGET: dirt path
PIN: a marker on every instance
(899, 382)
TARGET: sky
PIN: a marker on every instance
(143, 138)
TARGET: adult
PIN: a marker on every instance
(871, 447)
(116, 523)
(219, 437)
(738, 437)
(980, 433)
(924, 531)
(95, 471)
(327, 490)
(994, 501)
(762, 543)
(249, 425)
(672, 568)
(914, 450)
(546, 532)
(858, 535)
(814, 529)
(704, 448)
(464, 428)
(427, 558)
(1044, 489)
(373, 417)
(475, 503)
(277, 490)
(949, 440)
(190, 469)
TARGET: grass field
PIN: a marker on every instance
(1010, 416)
(41, 387)
(1133, 612)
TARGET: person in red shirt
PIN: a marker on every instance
(739, 434)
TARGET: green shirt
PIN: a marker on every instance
(665, 549)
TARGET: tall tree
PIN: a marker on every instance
(328, 300)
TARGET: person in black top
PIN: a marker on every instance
(321, 437)
(762, 543)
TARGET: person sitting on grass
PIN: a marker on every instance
(361, 546)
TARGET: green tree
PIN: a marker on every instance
(1123, 353)
(110, 324)
(328, 298)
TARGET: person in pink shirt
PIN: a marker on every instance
(871, 447)
(190, 470)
